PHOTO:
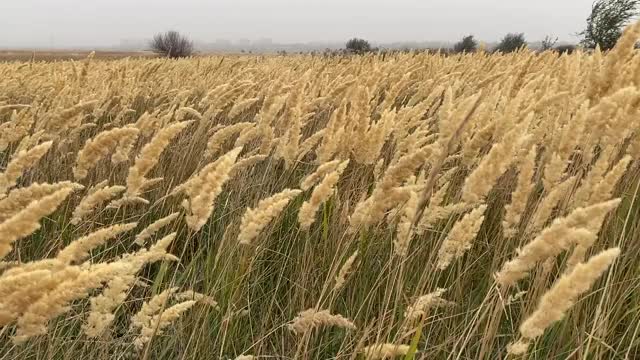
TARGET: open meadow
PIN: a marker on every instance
(62, 55)
(409, 206)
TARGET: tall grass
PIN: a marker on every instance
(476, 206)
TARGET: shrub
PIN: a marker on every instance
(511, 42)
(171, 44)
(358, 46)
(565, 49)
(467, 45)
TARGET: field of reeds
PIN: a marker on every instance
(475, 206)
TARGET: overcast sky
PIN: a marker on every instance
(107, 22)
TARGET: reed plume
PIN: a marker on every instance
(256, 219)
(460, 238)
(320, 194)
(420, 307)
(197, 297)
(20, 289)
(148, 157)
(148, 232)
(549, 203)
(404, 232)
(310, 319)
(344, 271)
(219, 137)
(158, 323)
(103, 305)
(492, 166)
(19, 198)
(19, 163)
(385, 351)
(79, 249)
(560, 298)
(520, 195)
(386, 194)
(93, 200)
(206, 188)
(54, 303)
(326, 168)
(101, 146)
(580, 224)
(27, 220)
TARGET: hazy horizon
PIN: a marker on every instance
(73, 23)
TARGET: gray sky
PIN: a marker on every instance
(105, 22)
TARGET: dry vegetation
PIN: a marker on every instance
(463, 207)
(61, 55)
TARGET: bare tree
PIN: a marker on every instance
(171, 44)
(605, 23)
(548, 42)
(468, 45)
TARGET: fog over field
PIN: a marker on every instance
(74, 23)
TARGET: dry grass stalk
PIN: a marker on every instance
(216, 140)
(492, 166)
(54, 303)
(19, 198)
(420, 307)
(19, 163)
(520, 195)
(404, 232)
(103, 305)
(256, 219)
(310, 319)
(206, 188)
(579, 226)
(27, 220)
(560, 298)
(93, 200)
(79, 250)
(101, 146)
(149, 156)
(320, 194)
(548, 204)
(148, 232)
(344, 271)
(461, 236)
(385, 351)
(159, 322)
(322, 170)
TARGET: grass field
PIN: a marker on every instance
(475, 206)
(63, 55)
